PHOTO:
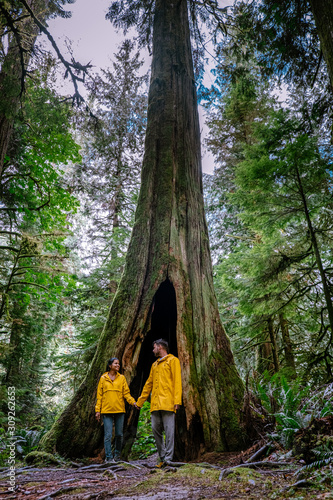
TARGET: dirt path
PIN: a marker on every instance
(139, 480)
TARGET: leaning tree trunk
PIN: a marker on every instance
(167, 286)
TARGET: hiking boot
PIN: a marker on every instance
(110, 461)
(160, 465)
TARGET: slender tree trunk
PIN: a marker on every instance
(288, 350)
(167, 286)
(323, 14)
(325, 284)
(14, 356)
(272, 337)
(265, 355)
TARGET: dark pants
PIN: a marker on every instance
(108, 419)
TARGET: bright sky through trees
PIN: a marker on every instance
(93, 38)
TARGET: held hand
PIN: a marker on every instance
(98, 415)
(176, 407)
(136, 406)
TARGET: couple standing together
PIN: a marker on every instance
(164, 384)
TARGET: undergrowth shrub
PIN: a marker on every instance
(144, 444)
(290, 405)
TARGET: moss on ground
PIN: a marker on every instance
(41, 457)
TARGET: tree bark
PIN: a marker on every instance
(265, 355)
(272, 337)
(287, 346)
(167, 286)
(322, 11)
(12, 72)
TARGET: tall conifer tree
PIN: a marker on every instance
(167, 286)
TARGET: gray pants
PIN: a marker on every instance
(160, 420)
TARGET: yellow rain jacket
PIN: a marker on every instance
(165, 384)
(111, 394)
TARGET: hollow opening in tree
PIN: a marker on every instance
(162, 325)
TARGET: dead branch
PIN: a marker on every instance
(303, 483)
(207, 465)
(176, 464)
(259, 453)
(61, 491)
(69, 66)
(94, 495)
(132, 465)
(228, 470)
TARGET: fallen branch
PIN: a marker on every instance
(283, 471)
(176, 464)
(114, 468)
(207, 465)
(32, 470)
(228, 470)
(303, 483)
(70, 480)
(94, 466)
(129, 463)
(61, 491)
(74, 464)
(259, 453)
(110, 473)
(94, 495)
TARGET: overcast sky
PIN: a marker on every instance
(93, 39)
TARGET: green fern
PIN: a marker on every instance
(325, 457)
(291, 405)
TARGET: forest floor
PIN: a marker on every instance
(214, 477)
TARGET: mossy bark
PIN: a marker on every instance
(265, 354)
(169, 251)
(13, 70)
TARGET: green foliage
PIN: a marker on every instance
(292, 405)
(277, 180)
(324, 455)
(27, 440)
(144, 444)
(4, 450)
(286, 37)
(34, 267)
(140, 14)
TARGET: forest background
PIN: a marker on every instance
(70, 177)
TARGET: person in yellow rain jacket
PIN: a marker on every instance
(165, 385)
(111, 391)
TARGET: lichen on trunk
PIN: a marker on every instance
(167, 285)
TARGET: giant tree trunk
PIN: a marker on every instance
(167, 286)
